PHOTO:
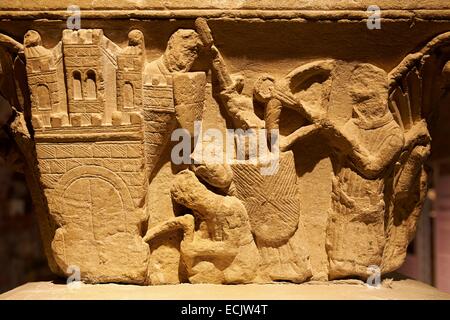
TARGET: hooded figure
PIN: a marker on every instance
(366, 149)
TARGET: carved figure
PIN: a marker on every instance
(271, 202)
(91, 119)
(367, 147)
(217, 245)
(171, 93)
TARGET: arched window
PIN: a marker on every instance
(91, 85)
(77, 90)
(128, 96)
(43, 97)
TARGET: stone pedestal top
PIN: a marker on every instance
(337, 290)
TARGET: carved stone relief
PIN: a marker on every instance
(112, 202)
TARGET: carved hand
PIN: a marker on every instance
(418, 134)
(324, 122)
(343, 141)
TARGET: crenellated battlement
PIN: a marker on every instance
(84, 81)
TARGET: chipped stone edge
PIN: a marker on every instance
(298, 15)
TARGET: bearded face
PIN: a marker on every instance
(182, 57)
(182, 50)
(369, 93)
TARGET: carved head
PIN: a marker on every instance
(32, 39)
(215, 174)
(368, 89)
(135, 38)
(264, 87)
(182, 50)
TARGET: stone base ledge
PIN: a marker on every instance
(337, 290)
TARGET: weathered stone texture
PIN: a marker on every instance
(339, 115)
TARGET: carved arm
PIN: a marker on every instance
(371, 164)
(298, 134)
(10, 43)
(185, 223)
(218, 63)
(417, 135)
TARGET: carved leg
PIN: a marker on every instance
(355, 237)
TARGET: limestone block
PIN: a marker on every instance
(308, 163)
